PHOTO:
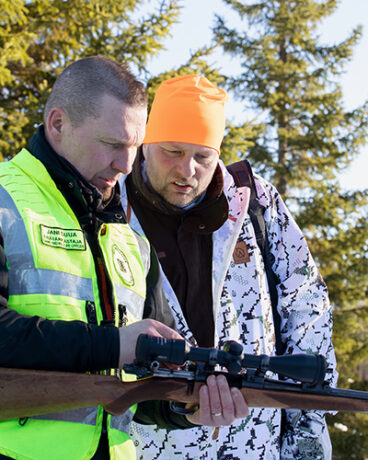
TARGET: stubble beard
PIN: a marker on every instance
(106, 193)
(176, 200)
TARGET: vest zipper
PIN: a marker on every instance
(103, 280)
(109, 310)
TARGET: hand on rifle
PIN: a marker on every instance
(219, 405)
(128, 337)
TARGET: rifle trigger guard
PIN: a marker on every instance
(181, 410)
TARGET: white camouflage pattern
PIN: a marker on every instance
(243, 312)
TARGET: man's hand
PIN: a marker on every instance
(128, 337)
(219, 404)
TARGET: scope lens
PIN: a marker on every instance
(303, 367)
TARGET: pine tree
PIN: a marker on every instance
(12, 49)
(39, 38)
(301, 138)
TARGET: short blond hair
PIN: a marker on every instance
(80, 87)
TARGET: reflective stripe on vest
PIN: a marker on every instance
(85, 415)
(53, 276)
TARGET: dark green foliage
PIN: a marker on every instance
(352, 443)
(39, 38)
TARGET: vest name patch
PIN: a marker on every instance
(73, 239)
(240, 254)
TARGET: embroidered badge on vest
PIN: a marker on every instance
(70, 239)
(240, 253)
(122, 265)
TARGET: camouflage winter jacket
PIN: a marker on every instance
(242, 311)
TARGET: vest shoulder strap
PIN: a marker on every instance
(243, 177)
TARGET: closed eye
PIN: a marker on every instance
(204, 158)
(113, 145)
(172, 152)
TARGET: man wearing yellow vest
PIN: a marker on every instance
(75, 280)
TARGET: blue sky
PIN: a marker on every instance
(194, 30)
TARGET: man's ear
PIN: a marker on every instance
(54, 124)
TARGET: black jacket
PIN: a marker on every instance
(75, 346)
(183, 242)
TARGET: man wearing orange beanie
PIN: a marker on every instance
(181, 196)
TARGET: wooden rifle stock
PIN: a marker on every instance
(25, 393)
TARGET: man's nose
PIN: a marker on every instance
(186, 167)
(124, 159)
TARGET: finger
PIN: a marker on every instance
(241, 406)
(204, 399)
(161, 330)
(226, 399)
(128, 337)
(215, 405)
(202, 416)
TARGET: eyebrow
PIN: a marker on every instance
(114, 140)
(111, 140)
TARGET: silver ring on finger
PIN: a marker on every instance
(216, 414)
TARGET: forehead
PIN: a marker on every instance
(120, 121)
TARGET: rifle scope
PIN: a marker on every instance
(303, 367)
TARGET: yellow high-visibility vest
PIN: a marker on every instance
(52, 274)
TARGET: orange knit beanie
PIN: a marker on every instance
(187, 109)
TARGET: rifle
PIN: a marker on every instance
(25, 393)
